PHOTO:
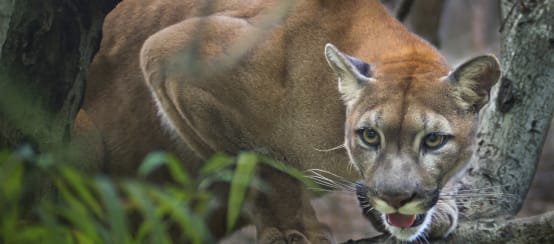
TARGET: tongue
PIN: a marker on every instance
(400, 220)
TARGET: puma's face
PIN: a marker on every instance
(408, 131)
(407, 147)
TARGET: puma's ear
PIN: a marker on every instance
(473, 80)
(353, 74)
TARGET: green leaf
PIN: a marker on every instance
(216, 163)
(224, 175)
(246, 163)
(152, 223)
(115, 211)
(178, 173)
(152, 161)
(157, 159)
(75, 212)
(9, 224)
(56, 232)
(46, 160)
(82, 238)
(194, 228)
(79, 184)
(4, 156)
(293, 172)
(12, 181)
(32, 234)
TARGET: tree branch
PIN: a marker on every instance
(535, 229)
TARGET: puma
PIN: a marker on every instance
(197, 77)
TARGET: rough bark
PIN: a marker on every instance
(45, 49)
(6, 9)
(511, 134)
(514, 126)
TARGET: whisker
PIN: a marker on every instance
(465, 211)
(425, 239)
(323, 181)
(479, 194)
(339, 183)
(319, 171)
(327, 190)
(478, 190)
(389, 238)
(321, 178)
(473, 201)
(462, 214)
(331, 188)
(456, 187)
(330, 149)
(482, 196)
(467, 205)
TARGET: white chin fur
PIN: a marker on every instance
(412, 233)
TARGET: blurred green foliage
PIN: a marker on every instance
(99, 209)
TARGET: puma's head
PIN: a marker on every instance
(409, 130)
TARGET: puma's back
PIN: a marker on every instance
(282, 72)
(198, 77)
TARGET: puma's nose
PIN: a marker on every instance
(397, 201)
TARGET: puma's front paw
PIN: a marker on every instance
(445, 219)
(272, 235)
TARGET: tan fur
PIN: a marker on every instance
(252, 75)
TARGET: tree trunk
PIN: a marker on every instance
(45, 49)
(6, 8)
(425, 19)
(515, 124)
(511, 134)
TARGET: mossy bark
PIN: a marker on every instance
(45, 49)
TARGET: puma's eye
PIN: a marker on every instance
(434, 141)
(369, 136)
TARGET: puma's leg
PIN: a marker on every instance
(90, 148)
(206, 123)
(285, 215)
(179, 63)
(445, 218)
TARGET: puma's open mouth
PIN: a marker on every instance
(405, 221)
